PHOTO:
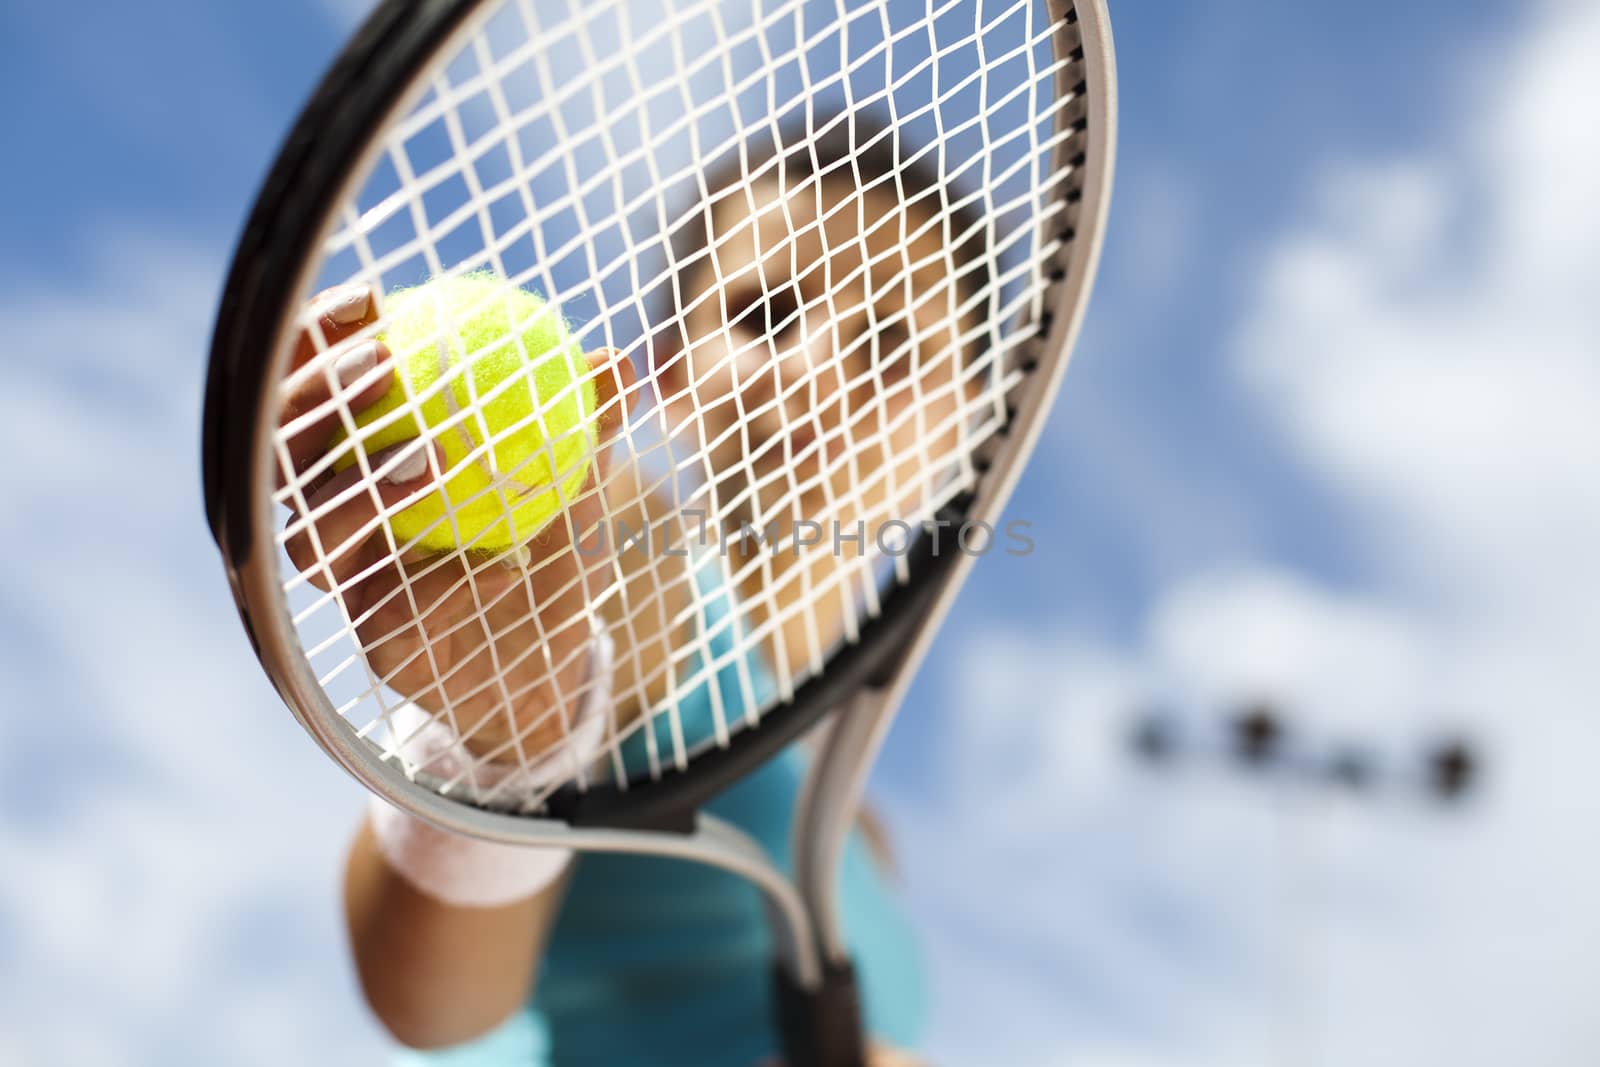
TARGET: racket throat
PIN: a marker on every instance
(820, 1027)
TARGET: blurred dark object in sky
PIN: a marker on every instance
(1453, 770)
(1258, 735)
(1261, 739)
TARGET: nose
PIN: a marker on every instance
(814, 372)
(793, 357)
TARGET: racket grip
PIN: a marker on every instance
(820, 1027)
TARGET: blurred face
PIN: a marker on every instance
(821, 369)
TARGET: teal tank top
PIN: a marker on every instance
(666, 963)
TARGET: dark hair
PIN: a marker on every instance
(854, 143)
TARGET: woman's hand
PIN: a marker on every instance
(497, 643)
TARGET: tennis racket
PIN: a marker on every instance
(840, 252)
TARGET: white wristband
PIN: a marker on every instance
(465, 871)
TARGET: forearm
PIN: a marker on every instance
(436, 974)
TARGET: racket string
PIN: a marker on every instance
(589, 220)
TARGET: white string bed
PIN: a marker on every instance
(568, 147)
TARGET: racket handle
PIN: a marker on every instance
(820, 1027)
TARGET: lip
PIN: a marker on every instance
(805, 435)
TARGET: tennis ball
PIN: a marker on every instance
(513, 420)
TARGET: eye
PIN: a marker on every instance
(773, 315)
(892, 355)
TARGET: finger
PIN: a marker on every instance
(340, 532)
(329, 325)
(360, 373)
(332, 316)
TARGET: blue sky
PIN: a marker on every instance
(1329, 433)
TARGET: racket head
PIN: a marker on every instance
(442, 78)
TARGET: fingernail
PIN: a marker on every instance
(345, 304)
(352, 365)
(410, 467)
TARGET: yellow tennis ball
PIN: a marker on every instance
(503, 388)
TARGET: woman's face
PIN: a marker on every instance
(821, 368)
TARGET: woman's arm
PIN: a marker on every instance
(435, 974)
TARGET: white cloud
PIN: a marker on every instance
(1427, 342)
(171, 843)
